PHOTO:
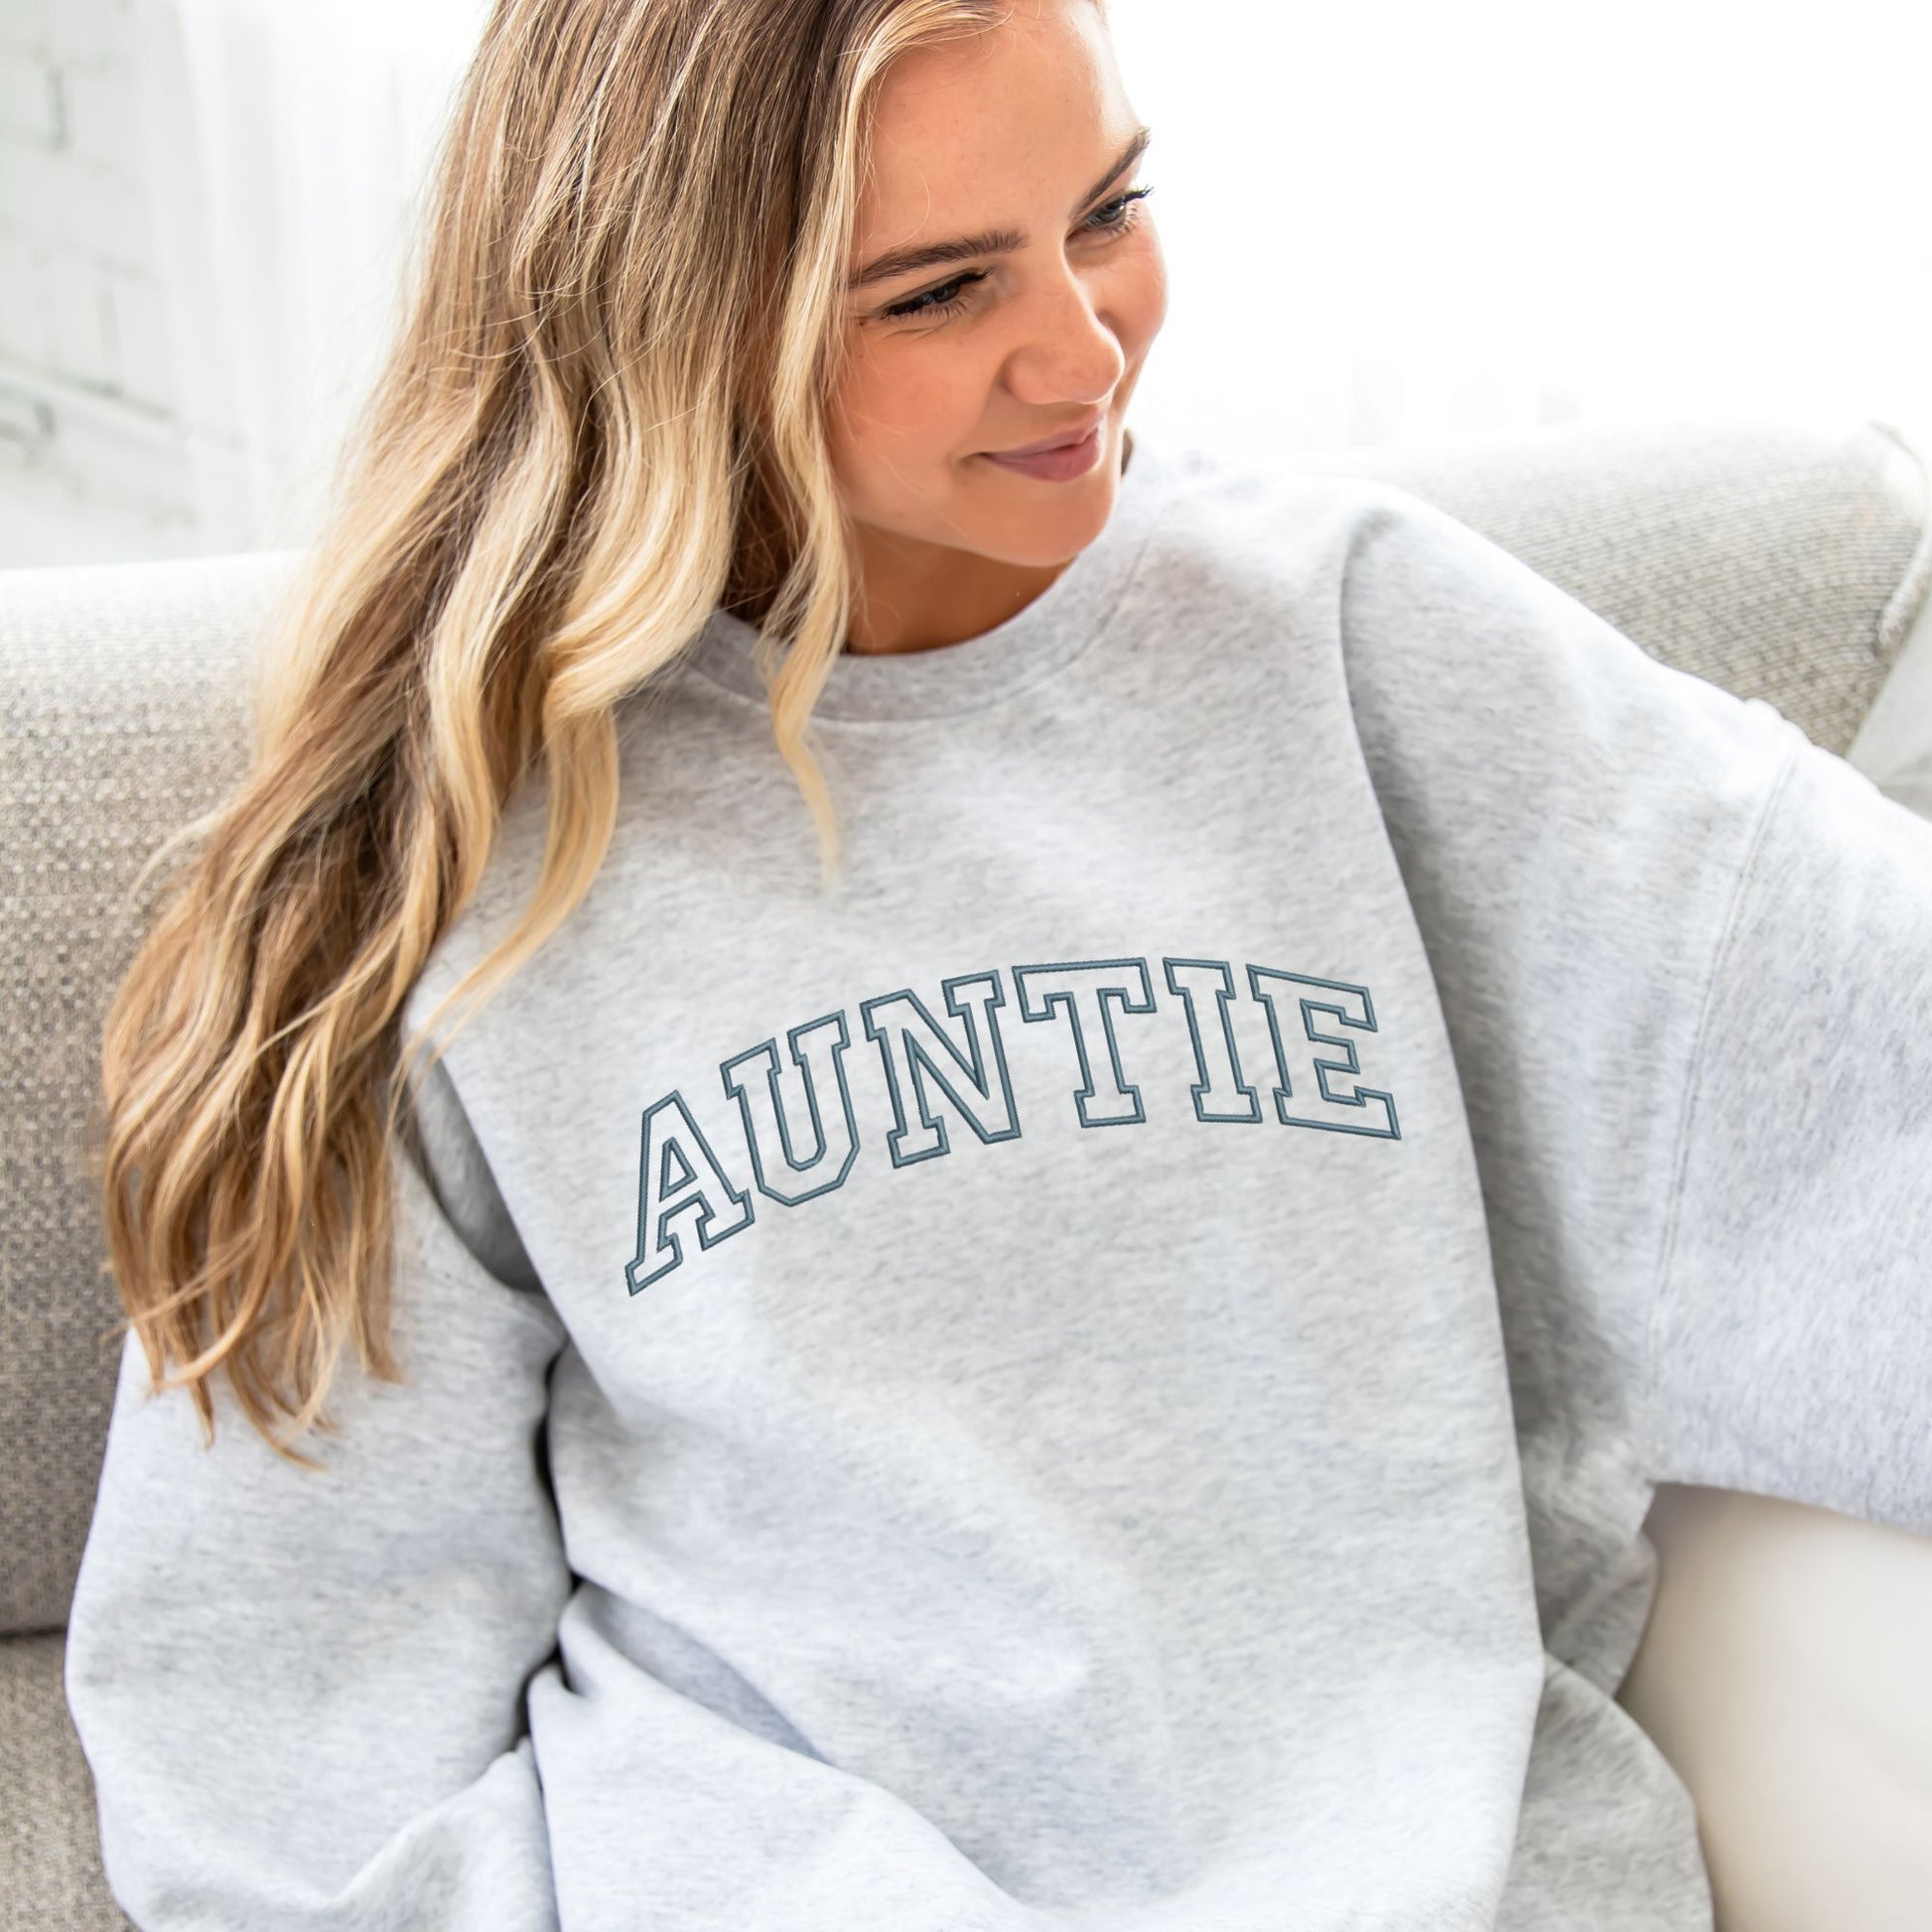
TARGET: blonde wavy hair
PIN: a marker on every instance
(604, 414)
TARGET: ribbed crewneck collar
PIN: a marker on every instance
(1036, 643)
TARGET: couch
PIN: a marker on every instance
(1784, 1673)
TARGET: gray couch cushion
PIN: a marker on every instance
(1778, 561)
(51, 1878)
(124, 713)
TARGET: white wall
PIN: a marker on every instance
(1385, 224)
(90, 466)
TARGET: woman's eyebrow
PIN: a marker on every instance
(995, 242)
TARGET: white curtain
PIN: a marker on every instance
(288, 144)
(1384, 224)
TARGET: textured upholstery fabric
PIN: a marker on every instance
(1782, 563)
(1776, 562)
(124, 714)
(50, 1850)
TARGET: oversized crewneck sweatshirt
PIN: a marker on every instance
(1105, 1372)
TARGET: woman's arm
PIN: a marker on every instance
(1791, 1339)
(1684, 959)
(302, 1693)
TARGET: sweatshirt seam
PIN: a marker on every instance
(451, 1277)
(1715, 982)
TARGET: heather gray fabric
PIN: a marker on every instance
(1665, 531)
(1776, 562)
(1108, 1373)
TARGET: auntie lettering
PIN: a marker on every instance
(801, 1134)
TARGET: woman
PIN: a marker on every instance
(1097, 1361)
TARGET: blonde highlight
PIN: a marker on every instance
(603, 417)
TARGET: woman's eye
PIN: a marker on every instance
(947, 298)
(1122, 205)
(935, 301)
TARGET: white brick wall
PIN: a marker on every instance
(88, 420)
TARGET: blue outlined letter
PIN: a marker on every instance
(1071, 984)
(1220, 1093)
(1353, 1000)
(697, 1185)
(753, 1077)
(907, 1035)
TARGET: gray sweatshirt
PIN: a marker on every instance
(1105, 1374)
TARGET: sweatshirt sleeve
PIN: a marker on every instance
(1685, 961)
(301, 1694)
(1791, 1337)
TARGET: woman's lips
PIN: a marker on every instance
(1055, 466)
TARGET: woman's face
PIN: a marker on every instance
(1025, 128)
